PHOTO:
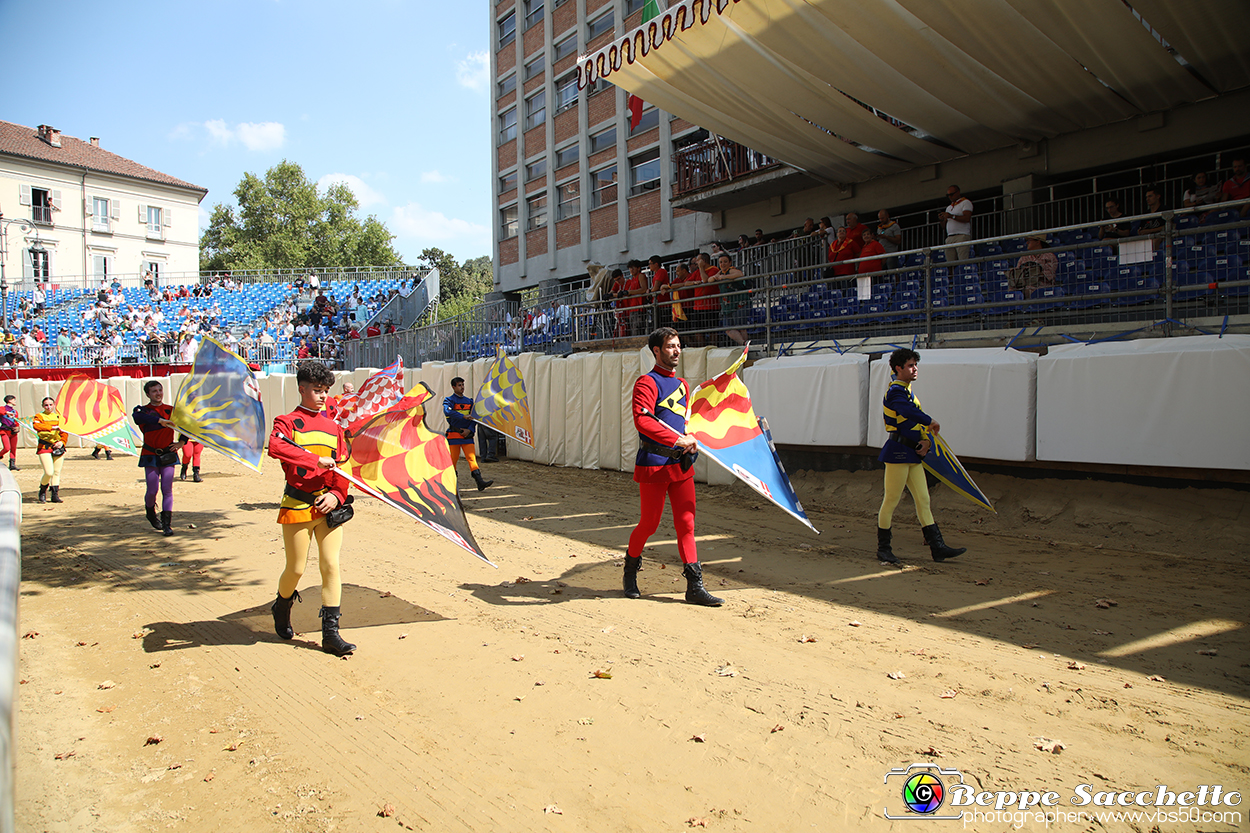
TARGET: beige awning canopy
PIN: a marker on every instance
(800, 80)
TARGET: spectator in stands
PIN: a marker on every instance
(854, 228)
(63, 345)
(827, 234)
(735, 301)
(682, 308)
(388, 327)
(759, 238)
(890, 236)
(1201, 194)
(186, 349)
(617, 296)
(266, 346)
(958, 219)
(540, 323)
(661, 288)
(635, 288)
(1117, 228)
(1153, 225)
(373, 330)
(744, 242)
(1237, 186)
(39, 297)
(809, 226)
(844, 248)
(1036, 269)
(873, 250)
(706, 303)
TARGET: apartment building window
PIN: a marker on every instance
(535, 67)
(565, 48)
(603, 185)
(152, 269)
(566, 92)
(597, 86)
(507, 182)
(507, 85)
(568, 200)
(101, 266)
(602, 23)
(632, 6)
(533, 12)
(156, 218)
(38, 264)
(567, 156)
(536, 208)
(603, 140)
(508, 221)
(650, 119)
(102, 210)
(507, 30)
(558, 3)
(644, 172)
(536, 109)
(507, 125)
(535, 169)
(42, 202)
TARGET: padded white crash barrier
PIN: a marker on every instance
(592, 410)
(1151, 402)
(816, 399)
(982, 397)
(610, 402)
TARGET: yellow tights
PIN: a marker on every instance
(898, 475)
(297, 539)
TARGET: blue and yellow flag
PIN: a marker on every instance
(945, 466)
(219, 405)
(501, 402)
(724, 422)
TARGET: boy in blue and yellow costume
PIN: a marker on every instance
(907, 442)
(460, 430)
(309, 444)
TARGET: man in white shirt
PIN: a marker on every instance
(958, 219)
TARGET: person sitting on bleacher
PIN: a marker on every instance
(1237, 186)
(1153, 225)
(1035, 269)
(1117, 228)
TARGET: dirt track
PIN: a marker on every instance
(472, 704)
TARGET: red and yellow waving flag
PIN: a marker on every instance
(723, 421)
(398, 459)
(94, 411)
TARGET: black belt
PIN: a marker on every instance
(301, 495)
(903, 439)
(662, 450)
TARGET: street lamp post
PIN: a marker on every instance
(25, 226)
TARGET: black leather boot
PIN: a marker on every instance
(481, 483)
(56, 494)
(108, 454)
(96, 453)
(632, 565)
(195, 475)
(884, 554)
(696, 593)
(151, 515)
(13, 465)
(43, 494)
(166, 523)
(281, 610)
(331, 642)
(941, 552)
(182, 475)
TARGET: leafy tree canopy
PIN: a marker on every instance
(284, 222)
(462, 286)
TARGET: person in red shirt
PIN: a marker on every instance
(706, 297)
(873, 249)
(309, 445)
(681, 310)
(373, 330)
(635, 288)
(660, 286)
(353, 332)
(664, 466)
(1237, 186)
(854, 228)
(154, 421)
(844, 248)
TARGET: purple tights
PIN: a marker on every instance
(163, 476)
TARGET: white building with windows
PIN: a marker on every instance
(93, 214)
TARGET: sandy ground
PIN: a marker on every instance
(154, 695)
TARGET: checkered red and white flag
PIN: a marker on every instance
(379, 392)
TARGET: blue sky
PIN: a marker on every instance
(392, 96)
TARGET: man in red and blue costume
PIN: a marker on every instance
(665, 466)
(460, 429)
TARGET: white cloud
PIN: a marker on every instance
(365, 195)
(435, 176)
(473, 71)
(433, 228)
(269, 135)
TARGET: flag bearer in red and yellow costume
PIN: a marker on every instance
(309, 443)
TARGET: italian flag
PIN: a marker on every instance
(652, 9)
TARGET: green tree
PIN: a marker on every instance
(461, 285)
(284, 222)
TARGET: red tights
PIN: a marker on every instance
(681, 495)
(191, 453)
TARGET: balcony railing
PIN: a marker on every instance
(41, 214)
(712, 162)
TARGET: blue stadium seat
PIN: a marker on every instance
(1081, 299)
(1048, 298)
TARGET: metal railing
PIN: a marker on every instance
(1157, 279)
(714, 161)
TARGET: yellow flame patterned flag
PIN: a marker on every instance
(95, 411)
(501, 402)
(219, 404)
